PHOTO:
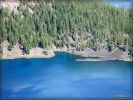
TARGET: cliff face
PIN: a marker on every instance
(10, 4)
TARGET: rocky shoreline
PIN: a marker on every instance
(104, 55)
(37, 52)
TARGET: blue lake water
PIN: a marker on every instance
(62, 76)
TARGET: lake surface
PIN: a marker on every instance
(62, 76)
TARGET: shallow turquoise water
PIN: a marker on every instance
(62, 76)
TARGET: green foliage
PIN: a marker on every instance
(67, 24)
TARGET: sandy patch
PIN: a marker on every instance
(16, 52)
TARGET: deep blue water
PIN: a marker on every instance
(62, 76)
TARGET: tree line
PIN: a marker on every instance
(72, 24)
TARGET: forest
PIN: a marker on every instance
(69, 23)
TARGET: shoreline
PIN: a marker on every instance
(26, 56)
(37, 52)
(102, 60)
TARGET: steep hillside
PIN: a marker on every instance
(69, 24)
